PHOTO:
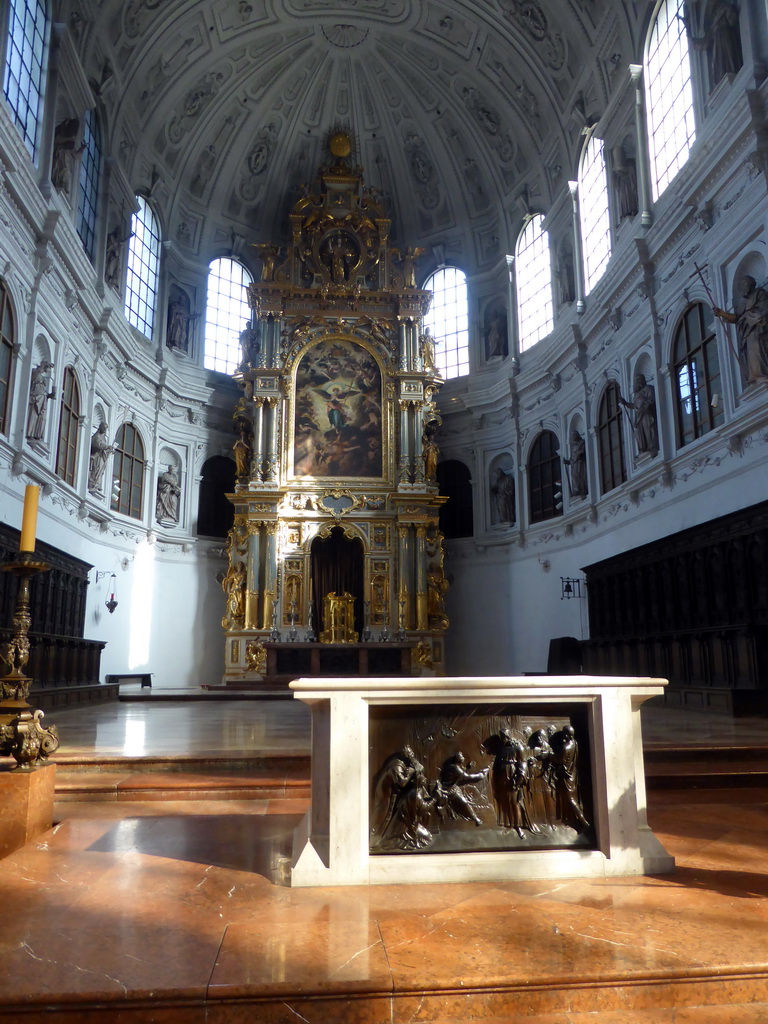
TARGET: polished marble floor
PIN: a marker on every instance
(184, 916)
(247, 727)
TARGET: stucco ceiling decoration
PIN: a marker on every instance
(454, 105)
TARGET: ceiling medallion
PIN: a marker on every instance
(345, 36)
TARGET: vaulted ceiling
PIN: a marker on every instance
(221, 108)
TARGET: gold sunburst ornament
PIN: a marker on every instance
(340, 145)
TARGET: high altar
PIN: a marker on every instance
(335, 535)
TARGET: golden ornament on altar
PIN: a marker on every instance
(340, 145)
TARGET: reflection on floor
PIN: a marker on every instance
(175, 910)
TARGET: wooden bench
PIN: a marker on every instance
(124, 677)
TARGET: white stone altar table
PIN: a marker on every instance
(333, 844)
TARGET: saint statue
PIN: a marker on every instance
(168, 491)
(39, 396)
(101, 449)
(752, 330)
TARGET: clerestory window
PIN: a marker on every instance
(143, 269)
(533, 279)
(669, 95)
(227, 314)
(25, 63)
(448, 321)
(594, 212)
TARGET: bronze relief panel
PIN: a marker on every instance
(465, 778)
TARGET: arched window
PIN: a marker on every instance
(533, 276)
(128, 472)
(88, 186)
(226, 314)
(697, 375)
(143, 269)
(610, 439)
(453, 480)
(66, 451)
(545, 487)
(669, 95)
(448, 321)
(7, 338)
(215, 512)
(594, 212)
(25, 60)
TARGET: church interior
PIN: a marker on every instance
(391, 339)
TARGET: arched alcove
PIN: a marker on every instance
(336, 568)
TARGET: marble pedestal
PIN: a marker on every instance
(26, 806)
(331, 846)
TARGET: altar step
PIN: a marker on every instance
(121, 780)
(143, 779)
(706, 767)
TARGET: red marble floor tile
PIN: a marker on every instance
(322, 949)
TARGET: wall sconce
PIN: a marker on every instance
(111, 603)
(572, 588)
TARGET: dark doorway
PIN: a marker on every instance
(337, 566)
(215, 512)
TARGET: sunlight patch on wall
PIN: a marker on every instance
(142, 601)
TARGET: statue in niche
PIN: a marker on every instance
(644, 422)
(578, 466)
(429, 454)
(168, 492)
(64, 152)
(243, 453)
(250, 343)
(510, 778)
(233, 586)
(116, 239)
(496, 344)
(503, 491)
(101, 449)
(566, 282)
(565, 759)
(722, 40)
(450, 795)
(339, 255)
(429, 450)
(269, 254)
(625, 182)
(179, 319)
(409, 266)
(39, 396)
(752, 330)
(427, 350)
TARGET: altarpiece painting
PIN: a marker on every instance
(338, 414)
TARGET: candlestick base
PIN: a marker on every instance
(22, 735)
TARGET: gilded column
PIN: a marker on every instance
(270, 440)
(404, 458)
(258, 447)
(402, 337)
(418, 445)
(270, 574)
(404, 572)
(413, 346)
(254, 562)
(422, 616)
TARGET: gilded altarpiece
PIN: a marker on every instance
(335, 446)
